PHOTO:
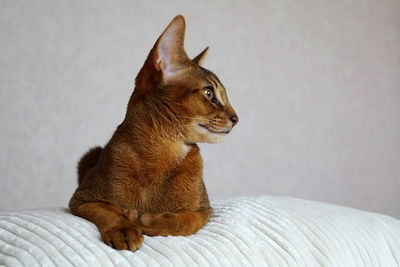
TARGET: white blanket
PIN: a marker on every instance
(252, 231)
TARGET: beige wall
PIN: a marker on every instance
(316, 85)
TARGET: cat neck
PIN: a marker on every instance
(152, 130)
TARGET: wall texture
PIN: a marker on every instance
(316, 85)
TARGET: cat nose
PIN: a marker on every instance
(234, 119)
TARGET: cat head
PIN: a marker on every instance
(196, 96)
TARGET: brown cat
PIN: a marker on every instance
(148, 178)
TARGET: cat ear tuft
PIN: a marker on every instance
(201, 56)
(170, 56)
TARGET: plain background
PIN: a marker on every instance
(316, 85)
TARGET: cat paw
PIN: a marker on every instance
(132, 215)
(121, 237)
(156, 224)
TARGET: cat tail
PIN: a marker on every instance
(88, 161)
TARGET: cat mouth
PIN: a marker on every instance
(213, 131)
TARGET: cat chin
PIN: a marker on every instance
(215, 138)
(211, 137)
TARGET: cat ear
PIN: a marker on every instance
(200, 57)
(169, 54)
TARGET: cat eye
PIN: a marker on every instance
(209, 92)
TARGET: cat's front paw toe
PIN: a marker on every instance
(146, 219)
(156, 224)
(125, 237)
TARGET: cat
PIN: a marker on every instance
(148, 178)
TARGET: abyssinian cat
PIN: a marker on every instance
(148, 178)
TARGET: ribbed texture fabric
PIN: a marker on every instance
(247, 231)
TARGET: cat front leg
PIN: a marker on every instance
(170, 223)
(115, 228)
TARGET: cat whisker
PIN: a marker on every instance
(183, 117)
(202, 121)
